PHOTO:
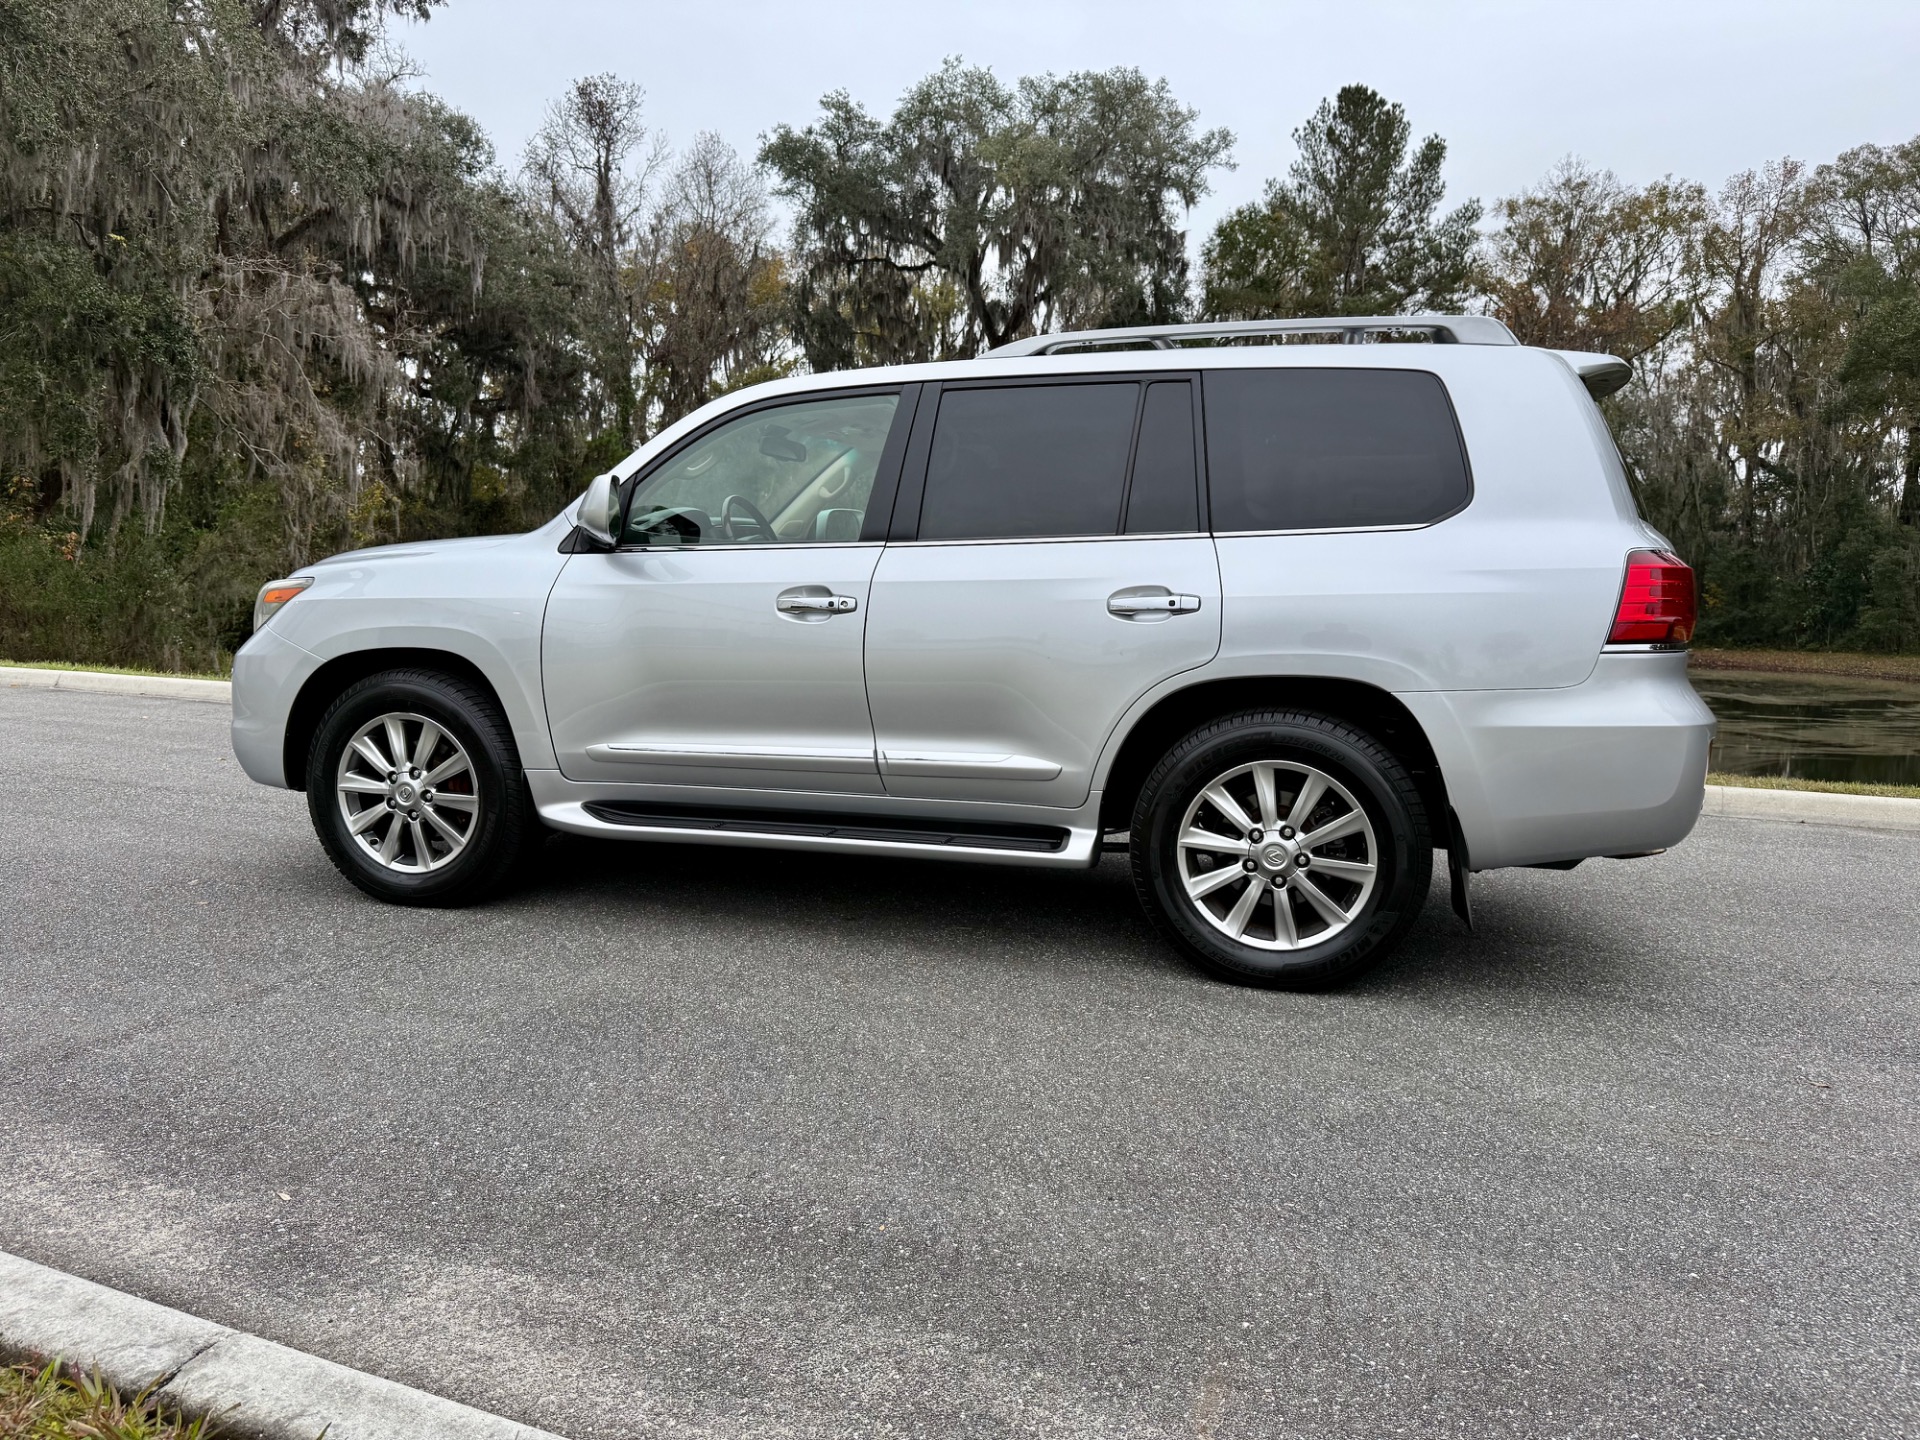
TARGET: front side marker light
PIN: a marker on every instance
(273, 595)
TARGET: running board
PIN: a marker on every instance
(1037, 839)
(1004, 842)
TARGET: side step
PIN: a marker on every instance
(886, 829)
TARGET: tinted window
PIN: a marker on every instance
(1329, 449)
(1017, 462)
(1165, 493)
(797, 473)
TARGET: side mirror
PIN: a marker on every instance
(600, 510)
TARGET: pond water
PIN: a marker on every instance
(1814, 727)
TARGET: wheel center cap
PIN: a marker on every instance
(1274, 857)
(403, 793)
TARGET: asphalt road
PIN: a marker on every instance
(711, 1143)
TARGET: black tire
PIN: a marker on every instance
(1402, 849)
(503, 830)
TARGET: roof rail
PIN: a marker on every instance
(1352, 330)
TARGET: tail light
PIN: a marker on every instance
(1658, 605)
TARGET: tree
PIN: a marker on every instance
(686, 295)
(978, 213)
(1353, 230)
(260, 291)
(197, 205)
(590, 166)
(711, 288)
(1865, 246)
(1584, 262)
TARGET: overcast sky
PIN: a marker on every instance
(1695, 88)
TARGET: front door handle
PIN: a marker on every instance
(1154, 600)
(816, 604)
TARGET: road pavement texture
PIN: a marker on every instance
(696, 1142)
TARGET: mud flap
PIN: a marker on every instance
(1457, 871)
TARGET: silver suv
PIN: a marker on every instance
(1278, 619)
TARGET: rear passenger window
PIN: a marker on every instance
(1020, 462)
(1331, 449)
(1165, 493)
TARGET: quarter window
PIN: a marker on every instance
(1021, 462)
(1303, 449)
(792, 474)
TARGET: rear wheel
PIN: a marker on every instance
(1281, 848)
(415, 789)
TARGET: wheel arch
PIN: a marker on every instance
(1378, 712)
(325, 684)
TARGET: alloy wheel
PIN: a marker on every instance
(1277, 855)
(407, 792)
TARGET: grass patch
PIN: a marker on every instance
(58, 1402)
(1825, 787)
(113, 669)
(1809, 662)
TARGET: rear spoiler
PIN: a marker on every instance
(1601, 374)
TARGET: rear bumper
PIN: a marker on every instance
(1613, 766)
(267, 675)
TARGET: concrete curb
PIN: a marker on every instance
(253, 1387)
(165, 687)
(1813, 807)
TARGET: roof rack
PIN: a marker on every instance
(1352, 330)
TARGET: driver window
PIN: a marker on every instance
(793, 474)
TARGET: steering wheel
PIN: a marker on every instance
(730, 527)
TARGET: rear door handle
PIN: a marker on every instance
(1155, 601)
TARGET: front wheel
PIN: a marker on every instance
(414, 785)
(1282, 848)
